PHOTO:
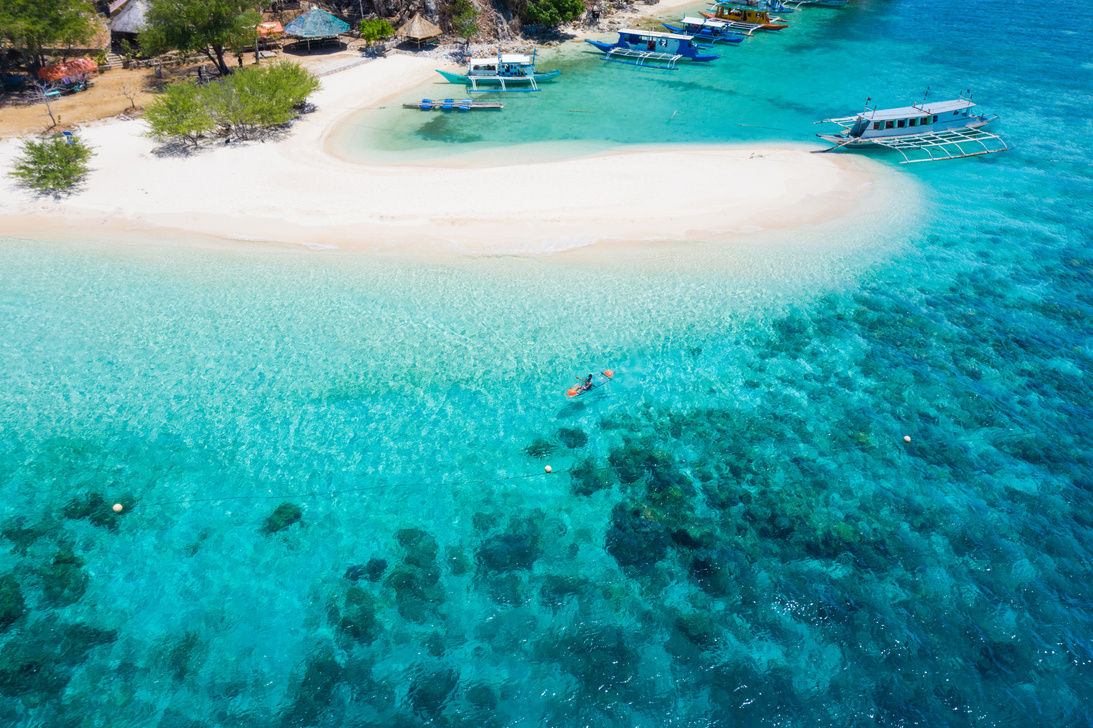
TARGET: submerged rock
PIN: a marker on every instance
(96, 509)
(359, 616)
(282, 517)
(508, 552)
(540, 448)
(64, 581)
(36, 664)
(634, 540)
(699, 629)
(421, 548)
(372, 571)
(22, 537)
(587, 477)
(572, 437)
(457, 561)
(315, 691)
(417, 591)
(429, 691)
(12, 606)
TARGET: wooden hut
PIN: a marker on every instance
(129, 20)
(316, 26)
(420, 30)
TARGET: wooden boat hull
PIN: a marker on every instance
(707, 35)
(759, 26)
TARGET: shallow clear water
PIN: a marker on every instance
(735, 531)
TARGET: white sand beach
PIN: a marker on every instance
(295, 191)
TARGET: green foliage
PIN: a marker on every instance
(206, 26)
(373, 30)
(248, 100)
(553, 12)
(464, 19)
(181, 111)
(37, 24)
(52, 165)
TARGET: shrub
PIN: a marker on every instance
(182, 111)
(373, 30)
(248, 100)
(52, 165)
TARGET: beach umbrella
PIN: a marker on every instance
(83, 65)
(270, 28)
(55, 72)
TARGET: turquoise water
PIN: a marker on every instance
(735, 532)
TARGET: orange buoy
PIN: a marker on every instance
(118, 508)
(609, 372)
(549, 469)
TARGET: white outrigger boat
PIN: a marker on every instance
(939, 130)
(500, 72)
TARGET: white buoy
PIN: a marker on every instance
(906, 438)
(548, 469)
(118, 508)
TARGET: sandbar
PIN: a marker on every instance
(294, 190)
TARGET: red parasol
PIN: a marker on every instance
(83, 65)
(56, 72)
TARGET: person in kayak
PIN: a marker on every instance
(587, 384)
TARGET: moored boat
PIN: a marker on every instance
(745, 13)
(500, 72)
(652, 49)
(707, 29)
(939, 130)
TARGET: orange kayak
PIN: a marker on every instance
(598, 380)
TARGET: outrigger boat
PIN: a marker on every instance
(652, 49)
(707, 29)
(503, 70)
(821, 3)
(939, 130)
(453, 105)
(752, 16)
(592, 381)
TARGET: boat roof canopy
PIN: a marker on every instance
(711, 22)
(505, 58)
(936, 107)
(654, 34)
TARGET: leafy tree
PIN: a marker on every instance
(38, 24)
(373, 30)
(205, 26)
(248, 100)
(553, 12)
(52, 165)
(464, 19)
(181, 111)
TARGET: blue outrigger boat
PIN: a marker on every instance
(652, 49)
(707, 29)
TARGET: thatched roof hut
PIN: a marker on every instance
(130, 21)
(419, 29)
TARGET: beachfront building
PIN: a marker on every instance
(127, 20)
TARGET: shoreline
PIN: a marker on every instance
(295, 191)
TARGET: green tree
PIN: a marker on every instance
(373, 30)
(553, 12)
(205, 26)
(464, 19)
(38, 24)
(181, 111)
(52, 165)
(244, 102)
